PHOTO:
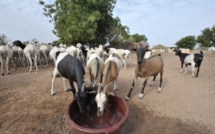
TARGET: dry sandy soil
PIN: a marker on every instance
(185, 106)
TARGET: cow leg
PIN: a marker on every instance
(30, 61)
(27, 62)
(2, 69)
(6, 65)
(185, 69)
(143, 87)
(12, 61)
(124, 63)
(35, 62)
(129, 57)
(55, 73)
(47, 62)
(198, 67)
(72, 87)
(181, 67)
(64, 85)
(161, 81)
(131, 88)
(193, 69)
(152, 82)
(115, 86)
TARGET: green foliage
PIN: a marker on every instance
(187, 42)
(118, 32)
(85, 21)
(137, 38)
(55, 43)
(207, 38)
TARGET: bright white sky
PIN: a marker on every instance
(162, 21)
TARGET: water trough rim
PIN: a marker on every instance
(102, 130)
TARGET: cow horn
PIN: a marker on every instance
(83, 85)
(94, 83)
(75, 86)
(105, 88)
(99, 88)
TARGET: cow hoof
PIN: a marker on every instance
(159, 90)
(2, 74)
(115, 90)
(8, 73)
(127, 98)
(152, 83)
(53, 93)
(66, 90)
(140, 96)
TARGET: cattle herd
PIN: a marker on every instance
(102, 63)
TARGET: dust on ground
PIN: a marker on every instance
(186, 105)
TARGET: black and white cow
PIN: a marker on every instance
(194, 60)
(181, 56)
(72, 69)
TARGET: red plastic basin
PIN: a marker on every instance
(89, 123)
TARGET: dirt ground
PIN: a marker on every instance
(185, 106)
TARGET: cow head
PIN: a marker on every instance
(84, 95)
(177, 51)
(140, 51)
(106, 49)
(80, 96)
(102, 99)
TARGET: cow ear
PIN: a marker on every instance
(110, 93)
(134, 49)
(115, 55)
(83, 86)
(106, 49)
(147, 48)
(92, 92)
(57, 54)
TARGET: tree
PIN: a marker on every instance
(118, 32)
(84, 21)
(187, 42)
(207, 38)
(137, 38)
(213, 35)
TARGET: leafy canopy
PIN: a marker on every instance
(187, 42)
(207, 38)
(137, 38)
(85, 21)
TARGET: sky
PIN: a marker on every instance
(162, 22)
